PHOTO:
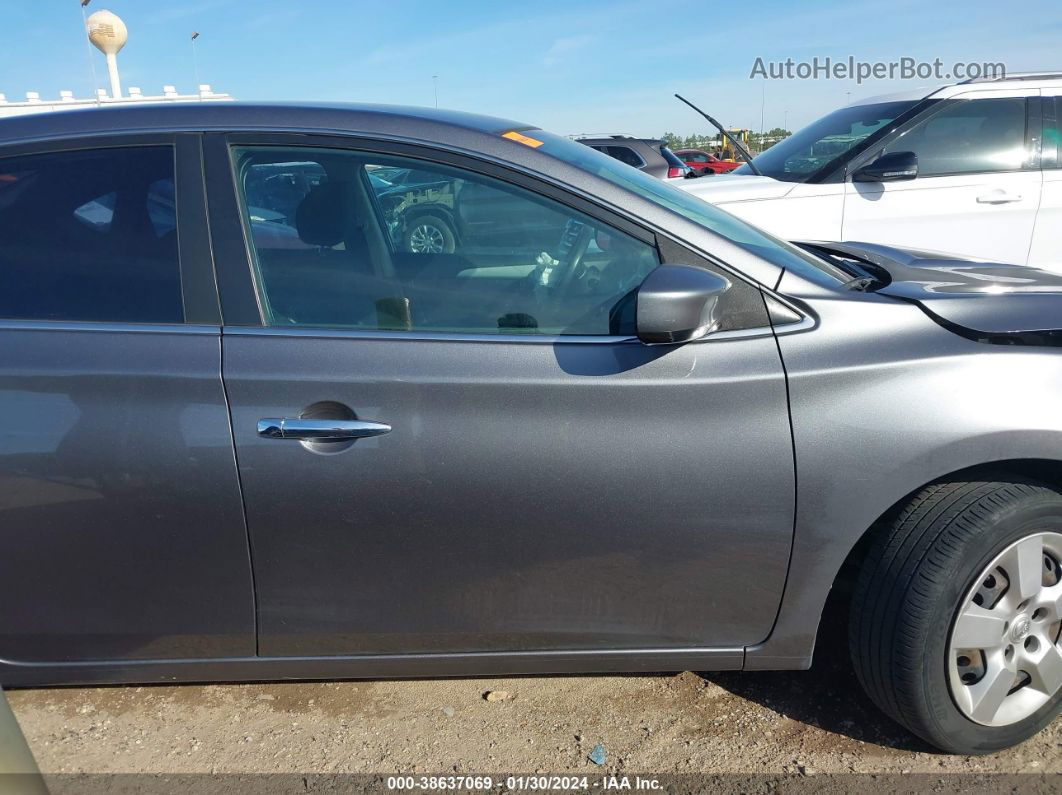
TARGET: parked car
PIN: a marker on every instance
(651, 155)
(651, 438)
(437, 213)
(972, 168)
(704, 163)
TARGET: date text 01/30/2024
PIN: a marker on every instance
(524, 783)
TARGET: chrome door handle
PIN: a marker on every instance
(320, 430)
(998, 197)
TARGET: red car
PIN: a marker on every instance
(704, 163)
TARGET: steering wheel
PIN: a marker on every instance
(571, 270)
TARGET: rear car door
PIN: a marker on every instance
(532, 479)
(978, 185)
(120, 512)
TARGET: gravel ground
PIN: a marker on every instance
(798, 723)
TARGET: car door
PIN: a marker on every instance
(1046, 251)
(525, 476)
(122, 524)
(977, 189)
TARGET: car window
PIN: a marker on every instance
(162, 207)
(624, 154)
(439, 250)
(1051, 156)
(751, 238)
(976, 135)
(90, 235)
(798, 157)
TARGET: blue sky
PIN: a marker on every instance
(572, 67)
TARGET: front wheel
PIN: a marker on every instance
(429, 234)
(957, 614)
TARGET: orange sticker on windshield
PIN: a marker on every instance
(522, 139)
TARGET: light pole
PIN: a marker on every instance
(435, 85)
(195, 63)
(763, 105)
(88, 51)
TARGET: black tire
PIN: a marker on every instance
(910, 588)
(429, 227)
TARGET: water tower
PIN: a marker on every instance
(109, 34)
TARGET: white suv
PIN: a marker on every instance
(973, 169)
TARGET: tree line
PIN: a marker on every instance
(757, 141)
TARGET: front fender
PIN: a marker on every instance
(883, 402)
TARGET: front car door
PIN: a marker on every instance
(978, 184)
(122, 526)
(547, 483)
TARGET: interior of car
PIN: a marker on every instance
(518, 263)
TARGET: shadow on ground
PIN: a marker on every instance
(828, 696)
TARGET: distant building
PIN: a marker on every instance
(33, 103)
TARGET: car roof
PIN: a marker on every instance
(1028, 81)
(619, 139)
(392, 120)
(899, 96)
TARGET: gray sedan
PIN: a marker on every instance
(250, 431)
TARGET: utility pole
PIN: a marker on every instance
(435, 85)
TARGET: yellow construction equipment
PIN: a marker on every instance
(729, 151)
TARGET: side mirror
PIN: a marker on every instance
(678, 303)
(893, 167)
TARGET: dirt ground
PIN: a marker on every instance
(799, 723)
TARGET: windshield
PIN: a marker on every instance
(797, 157)
(748, 237)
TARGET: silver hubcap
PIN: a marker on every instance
(427, 239)
(1004, 658)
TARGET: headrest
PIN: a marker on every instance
(324, 215)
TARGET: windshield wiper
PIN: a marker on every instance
(861, 284)
(737, 144)
(866, 276)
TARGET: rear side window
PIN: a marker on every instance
(90, 235)
(624, 154)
